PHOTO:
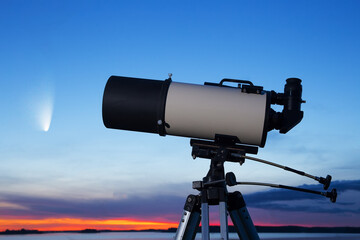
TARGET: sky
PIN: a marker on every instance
(61, 169)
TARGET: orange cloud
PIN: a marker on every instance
(59, 224)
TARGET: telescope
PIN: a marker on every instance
(204, 111)
(225, 122)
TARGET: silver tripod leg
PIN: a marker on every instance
(223, 221)
(205, 230)
(190, 219)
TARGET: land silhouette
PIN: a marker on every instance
(260, 229)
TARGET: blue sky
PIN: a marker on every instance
(64, 51)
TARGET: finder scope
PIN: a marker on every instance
(200, 111)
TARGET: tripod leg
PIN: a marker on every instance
(205, 230)
(241, 218)
(190, 219)
(223, 221)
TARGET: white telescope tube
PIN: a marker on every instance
(201, 111)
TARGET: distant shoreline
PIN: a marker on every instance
(260, 229)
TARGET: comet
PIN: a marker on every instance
(45, 115)
(41, 106)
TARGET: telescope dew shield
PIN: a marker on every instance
(134, 104)
(188, 110)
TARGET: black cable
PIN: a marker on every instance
(325, 181)
(332, 195)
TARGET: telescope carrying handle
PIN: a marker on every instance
(235, 81)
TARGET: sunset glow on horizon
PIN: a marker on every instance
(75, 224)
(78, 224)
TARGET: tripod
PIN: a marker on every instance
(213, 190)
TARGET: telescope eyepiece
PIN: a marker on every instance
(292, 94)
(291, 114)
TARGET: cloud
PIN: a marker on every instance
(10, 205)
(155, 207)
(346, 185)
(168, 207)
(285, 200)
